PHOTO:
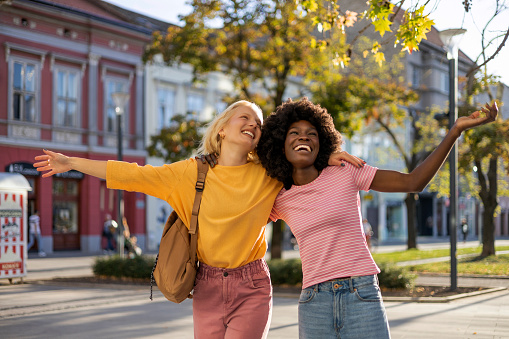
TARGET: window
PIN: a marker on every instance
(416, 76)
(444, 82)
(165, 106)
(194, 104)
(65, 206)
(24, 91)
(67, 89)
(113, 86)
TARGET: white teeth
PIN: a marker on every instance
(302, 147)
(248, 133)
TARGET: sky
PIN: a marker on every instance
(445, 13)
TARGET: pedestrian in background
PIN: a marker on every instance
(464, 229)
(34, 222)
(109, 230)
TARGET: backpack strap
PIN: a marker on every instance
(193, 227)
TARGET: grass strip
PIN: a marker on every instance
(492, 265)
(415, 254)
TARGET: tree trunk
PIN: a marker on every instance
(411, 227)
(488, 231)
(277, 239)
(488, 196)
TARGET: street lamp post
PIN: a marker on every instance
(120, 99)
(451, 39)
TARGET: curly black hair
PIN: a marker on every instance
(272, 142)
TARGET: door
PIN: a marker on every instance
(66, 235)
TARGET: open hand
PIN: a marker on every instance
(52, 162)
(475, 119)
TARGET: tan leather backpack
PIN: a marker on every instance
(175, 266)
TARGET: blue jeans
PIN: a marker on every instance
(31, 241)
(343, 308)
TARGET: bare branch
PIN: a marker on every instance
(502, 44)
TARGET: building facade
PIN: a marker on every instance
(60, 62)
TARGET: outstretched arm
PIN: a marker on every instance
(416, 181)
(58, 163)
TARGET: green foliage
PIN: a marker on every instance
(257, 43)
(177, 141)
(415, 254)
(287, 271)
(363, 94)
(392, 276)
(138, 267)
(331, 18)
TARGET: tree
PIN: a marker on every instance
(368, 93)
(262, 45)
(487, 148)
(333, 18)
(177, 141)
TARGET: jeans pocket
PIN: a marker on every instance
(306, 295)
(369, 293)
(260, 280)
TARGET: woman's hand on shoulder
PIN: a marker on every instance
(207, 158)
(52, 162)
(338, 158)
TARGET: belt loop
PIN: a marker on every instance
(350, 282)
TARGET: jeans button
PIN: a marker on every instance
(225, 274)
(336, 286)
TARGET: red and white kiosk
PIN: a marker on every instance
(14, 225)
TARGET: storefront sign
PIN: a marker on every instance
(24, 168)
(72, 174)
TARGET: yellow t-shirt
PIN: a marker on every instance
(234, 210)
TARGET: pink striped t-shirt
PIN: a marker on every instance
(325, 217)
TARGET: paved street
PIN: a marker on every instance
(47, 311)
(50, 310)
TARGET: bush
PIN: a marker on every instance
(285, 272)
(392, 276)
(289, 272)
(282, 272)
(138, 267)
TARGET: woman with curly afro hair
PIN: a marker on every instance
(340, 294)
(272, 143)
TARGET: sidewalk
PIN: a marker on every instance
(81, 311)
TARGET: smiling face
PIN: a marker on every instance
(302, 144)
(243, 128)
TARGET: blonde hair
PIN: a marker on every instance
(211, 141)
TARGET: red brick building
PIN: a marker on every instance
(60, 61)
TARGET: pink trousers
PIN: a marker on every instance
(233, 303)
